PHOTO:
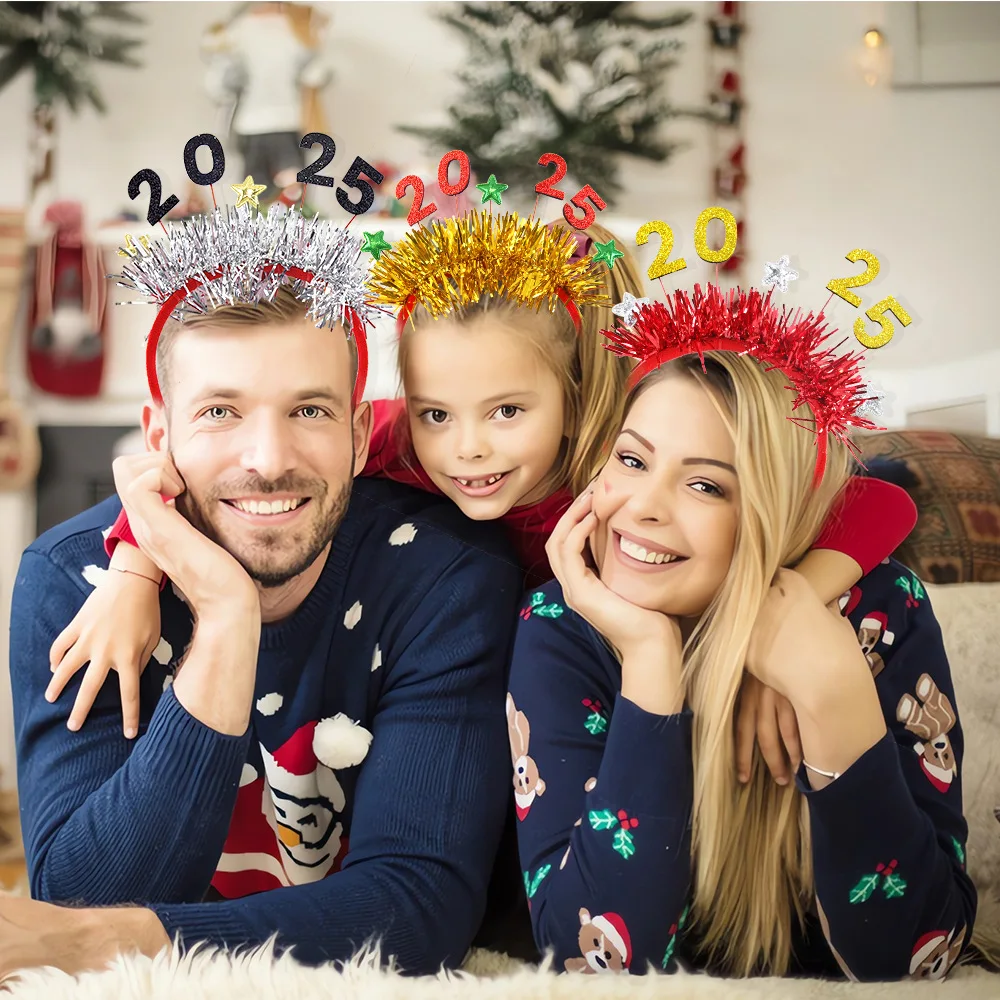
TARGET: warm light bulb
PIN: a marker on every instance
(873, 38)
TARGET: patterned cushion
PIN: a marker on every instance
(954, 479)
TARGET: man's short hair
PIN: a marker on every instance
(284, 308)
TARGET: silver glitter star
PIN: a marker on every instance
(628, 309)
(877, 403)
(779, 274)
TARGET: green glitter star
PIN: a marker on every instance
(607, 252)
(492, 189)
(375, 244)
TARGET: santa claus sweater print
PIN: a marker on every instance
(367, 798)
(604, 797)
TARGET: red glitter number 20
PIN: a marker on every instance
(580, 199)
(417, 212)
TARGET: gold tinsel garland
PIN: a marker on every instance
(455, 262)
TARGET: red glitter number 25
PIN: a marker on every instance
(580, 199)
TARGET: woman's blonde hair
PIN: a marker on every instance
(750, 843)
(593, 380)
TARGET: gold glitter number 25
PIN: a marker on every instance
(663, 265)
(877, 313)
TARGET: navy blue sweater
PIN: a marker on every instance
(407, 632)
(604, 798)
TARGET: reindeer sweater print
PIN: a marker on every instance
(367, 798)
(604, 794)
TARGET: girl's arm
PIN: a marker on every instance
(868, 523)
(888, 835)
(603, 791)
(117, 628)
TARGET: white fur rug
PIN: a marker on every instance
(209, 975)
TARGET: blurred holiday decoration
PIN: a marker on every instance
(60, 44)
(266, 73)
(20, 452)
(67, 307)
(584, 78)
(726, 31)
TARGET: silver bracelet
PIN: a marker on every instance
(832, 775)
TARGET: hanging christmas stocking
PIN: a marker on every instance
(66, 313)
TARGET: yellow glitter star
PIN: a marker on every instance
(249, 193)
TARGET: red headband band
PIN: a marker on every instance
(357, 331)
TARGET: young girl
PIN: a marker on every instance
(507, 410)
(638, 845)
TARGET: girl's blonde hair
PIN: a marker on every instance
(593, 380)
(750, 843)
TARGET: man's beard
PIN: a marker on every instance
(278, 554)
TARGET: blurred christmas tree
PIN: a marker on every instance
(60, 43)
(584, 80)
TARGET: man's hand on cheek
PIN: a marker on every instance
(208, 576)
(35, 935)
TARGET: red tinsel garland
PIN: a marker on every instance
(746, 322)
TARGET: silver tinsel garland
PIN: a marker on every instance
(245, 246)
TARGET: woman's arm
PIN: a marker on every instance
(888, 834)
(603, 790)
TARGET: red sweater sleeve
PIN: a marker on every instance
(385, 457)
(869, 521)
(120, 532)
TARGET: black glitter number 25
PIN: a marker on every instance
(156, 210)
(311, 174)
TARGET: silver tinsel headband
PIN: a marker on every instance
(248, 254)
(233, 257)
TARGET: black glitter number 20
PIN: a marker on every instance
(218, 159)
(156, 210)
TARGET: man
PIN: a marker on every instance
(337, 612)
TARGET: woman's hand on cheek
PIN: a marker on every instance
(625, 625)
(803, 650)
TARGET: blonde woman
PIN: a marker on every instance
(640, 848)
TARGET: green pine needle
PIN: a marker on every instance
(61, 44)
(518, 97)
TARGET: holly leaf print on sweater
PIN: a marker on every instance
(540, 608)
(597, 722)
(531, 884)
(893, 885)
(623, 841)
(913, 589)
(959, 850)
(862, 892)
(674, 931)
(603, 820)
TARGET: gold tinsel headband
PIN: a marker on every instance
(455, 262)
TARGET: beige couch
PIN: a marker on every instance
(970, 619)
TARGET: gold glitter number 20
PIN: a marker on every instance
(663, 265)
(728, 248)
(877, 313)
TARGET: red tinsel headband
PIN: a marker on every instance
(747, 323)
